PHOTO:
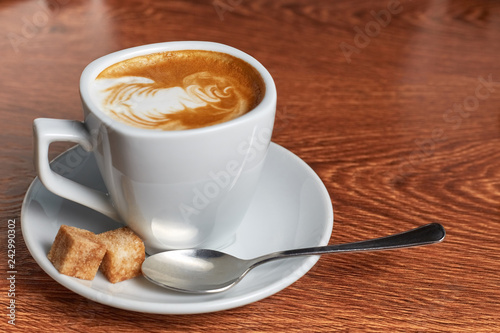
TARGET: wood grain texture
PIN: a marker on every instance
(403, 131)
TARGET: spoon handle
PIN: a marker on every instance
(427, 234)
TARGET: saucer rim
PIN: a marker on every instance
(148, 306)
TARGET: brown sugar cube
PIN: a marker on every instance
(76, 252)
(125, 253)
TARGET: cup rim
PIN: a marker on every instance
(98, 65)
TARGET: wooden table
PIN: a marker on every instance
(395, 105)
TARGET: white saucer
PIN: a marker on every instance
(292, 209)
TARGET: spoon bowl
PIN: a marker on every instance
(211, 271)
(195, 270)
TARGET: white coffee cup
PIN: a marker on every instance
(175, 189)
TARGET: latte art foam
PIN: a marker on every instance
(178, 90)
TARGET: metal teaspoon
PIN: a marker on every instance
(210, 271)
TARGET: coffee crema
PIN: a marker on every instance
(178, 90)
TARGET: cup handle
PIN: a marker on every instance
(46, 131)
